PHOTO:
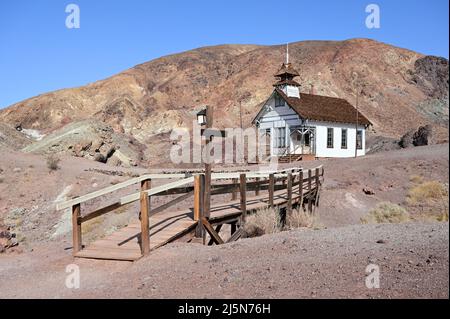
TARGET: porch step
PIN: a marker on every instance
(295, 158)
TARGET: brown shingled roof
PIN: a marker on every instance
(286, 69)
(324, 108)
(288, 82)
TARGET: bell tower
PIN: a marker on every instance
(285, 78)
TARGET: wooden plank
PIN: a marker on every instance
(289, 194)
(98, 212)
(155, 190)
(309, 191)
(145, 232)
(171, 203)
(112, 188)
(234, 192)
(214, 235)
(218, 228)
(198, 203)
(243, 193)
(197, 197)
(271, 189)
(236, 235)
(300, 190)
(109, 254)
(76, 228)
(257, 186)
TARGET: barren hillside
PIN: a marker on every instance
(401, 89)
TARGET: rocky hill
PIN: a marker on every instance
(401, 90)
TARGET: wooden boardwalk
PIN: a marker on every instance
(165, 225)
(124, 244)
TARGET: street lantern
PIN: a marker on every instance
(201, 117)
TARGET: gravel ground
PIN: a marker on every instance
(329, 263)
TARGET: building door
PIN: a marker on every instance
(303, 140)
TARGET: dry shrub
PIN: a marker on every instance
(53, 162)
(300, 218)
(427, 192)
(430, 200)
(386, 212)
(264, 221)
(443, 217)
(416, 179)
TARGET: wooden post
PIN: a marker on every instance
(207, 188)
(257, 180)
(317, 189)
(234, 193)
(317, 178)
(243, 190)
(271, 189)
(145, 185)
(198, 203)
(309, 191)
(145, 231)
(289, 193)
(300, 190)
(76, 228)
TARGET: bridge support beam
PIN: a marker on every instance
(76, 228)
(199, 181)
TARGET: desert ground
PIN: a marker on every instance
(326, 260)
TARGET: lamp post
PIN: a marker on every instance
(205, 119)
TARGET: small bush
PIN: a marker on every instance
(53, 162)
(427, 192)
(386, 212)
(443, 217)
(264, 221)
(299, 219)
(1, 180)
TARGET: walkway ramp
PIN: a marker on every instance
(282, 189)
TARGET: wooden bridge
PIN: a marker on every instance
(155, 227)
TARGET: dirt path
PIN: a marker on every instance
(412, 258)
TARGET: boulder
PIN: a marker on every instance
(107, 150)
(407, 139)
(99, 157)
(423, 136)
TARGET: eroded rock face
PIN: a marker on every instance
(91, 140)
(431, 75)
(422, 136)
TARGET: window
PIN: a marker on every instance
(330, 135)
(359, 139)
(280, 137)
(344, 138)
(278, 101)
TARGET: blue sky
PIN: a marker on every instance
(39, 54)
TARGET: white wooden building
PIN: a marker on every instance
(309, 125)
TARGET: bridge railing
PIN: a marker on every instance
(187, 186)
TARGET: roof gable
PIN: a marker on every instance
(324, 108)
